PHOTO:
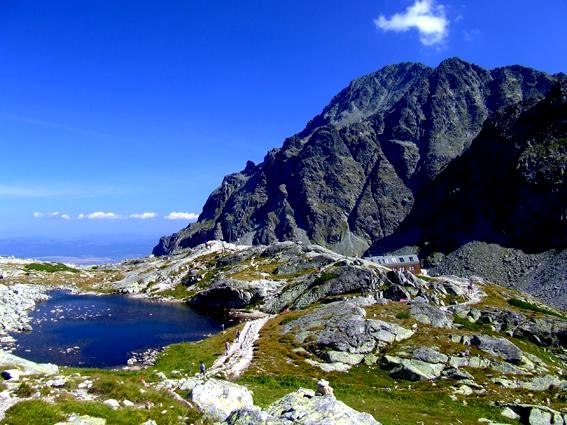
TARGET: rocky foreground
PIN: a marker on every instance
(326, 339)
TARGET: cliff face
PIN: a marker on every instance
(395, 148)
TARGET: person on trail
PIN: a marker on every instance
(222, 327)
(238, 334)
(202, 368)
(226, 346)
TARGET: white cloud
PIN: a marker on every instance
(181, 216)
(424, 15)
(99, 215)
(38, 214)
(143, 216)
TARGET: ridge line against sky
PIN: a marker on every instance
(120, 116)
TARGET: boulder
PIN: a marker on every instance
(510, 414)
(500, 347)
(217, 398)
(431, 315)
(429, 355)
(304, 407)
(26, 366)
(112, 403)
(342, 357)
(11, 374)
(417, 370)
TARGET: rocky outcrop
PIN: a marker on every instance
(535, 415)
(431, 315)
(16, 301)
(343, 335)
(302, 407)
(26, 367)
(546, 331)
(500, 347)
(217, 398)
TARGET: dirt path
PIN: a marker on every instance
(241, 351)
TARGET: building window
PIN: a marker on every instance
(401, 259)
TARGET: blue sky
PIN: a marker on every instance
(130, 107)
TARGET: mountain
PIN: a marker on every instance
(408, 156)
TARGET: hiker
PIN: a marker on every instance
(238, 334)
(202, 368)
(222, 327)
(226, 346)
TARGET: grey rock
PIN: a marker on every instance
(431, 315)
(499, 347)
(303, 407)
(342, 326)
(217, 399)
(417, 370)
(429, 355)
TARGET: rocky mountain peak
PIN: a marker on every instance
(365, 173)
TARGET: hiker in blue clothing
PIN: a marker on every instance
(202, 368)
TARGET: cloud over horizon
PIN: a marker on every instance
(424, 15)
(99, 215)
(144, 215)
(38, 214)
(174, 215)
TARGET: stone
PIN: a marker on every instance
(510, 414)
(329, 367)
(26, 366)
(303, 407)
(417, 370)
(429, 355)
(127, 403)
(323, 388)
(341, 357)
(11, 374)
(431, 315)
(541, 383)
(59, 382)
(464, 390)
(217, 398)
(112, 403)
(499, 346)
(540, 417)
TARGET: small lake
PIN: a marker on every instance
(102, 331)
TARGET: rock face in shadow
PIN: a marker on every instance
(352, 175)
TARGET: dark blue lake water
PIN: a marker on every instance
(102, 331)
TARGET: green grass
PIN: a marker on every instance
(470, 326)
(403, 315)
(186, 356)
(180, 292)
(50, 267)
(37, 412)
(325, 277)
(532, 307)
